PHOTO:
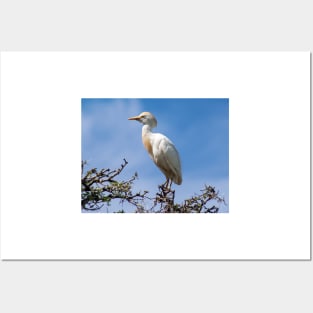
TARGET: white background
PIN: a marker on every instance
(245, 286)
(269, 155)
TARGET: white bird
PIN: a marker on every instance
(161, 150)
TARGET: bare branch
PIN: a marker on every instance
(99, 188)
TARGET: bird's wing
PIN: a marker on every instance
(167, 158)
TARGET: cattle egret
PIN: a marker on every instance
(161, 150)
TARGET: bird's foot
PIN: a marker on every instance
(165, 197)
(166, 191)
(165, 188)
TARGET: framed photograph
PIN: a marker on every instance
(238, 122)
(119, 176)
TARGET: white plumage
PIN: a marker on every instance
(161, 149)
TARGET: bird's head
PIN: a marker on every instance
(146, 118)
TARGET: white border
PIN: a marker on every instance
(269, 155)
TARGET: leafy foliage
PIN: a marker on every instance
(100, 187)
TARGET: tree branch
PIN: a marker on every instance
(99, 188)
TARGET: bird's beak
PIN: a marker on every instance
(135, 118)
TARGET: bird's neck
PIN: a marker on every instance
(146, 129)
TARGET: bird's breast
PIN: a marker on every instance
(147, 144)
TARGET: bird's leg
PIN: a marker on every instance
(165, 185)
(170, 184)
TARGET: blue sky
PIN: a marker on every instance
(199, 128)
